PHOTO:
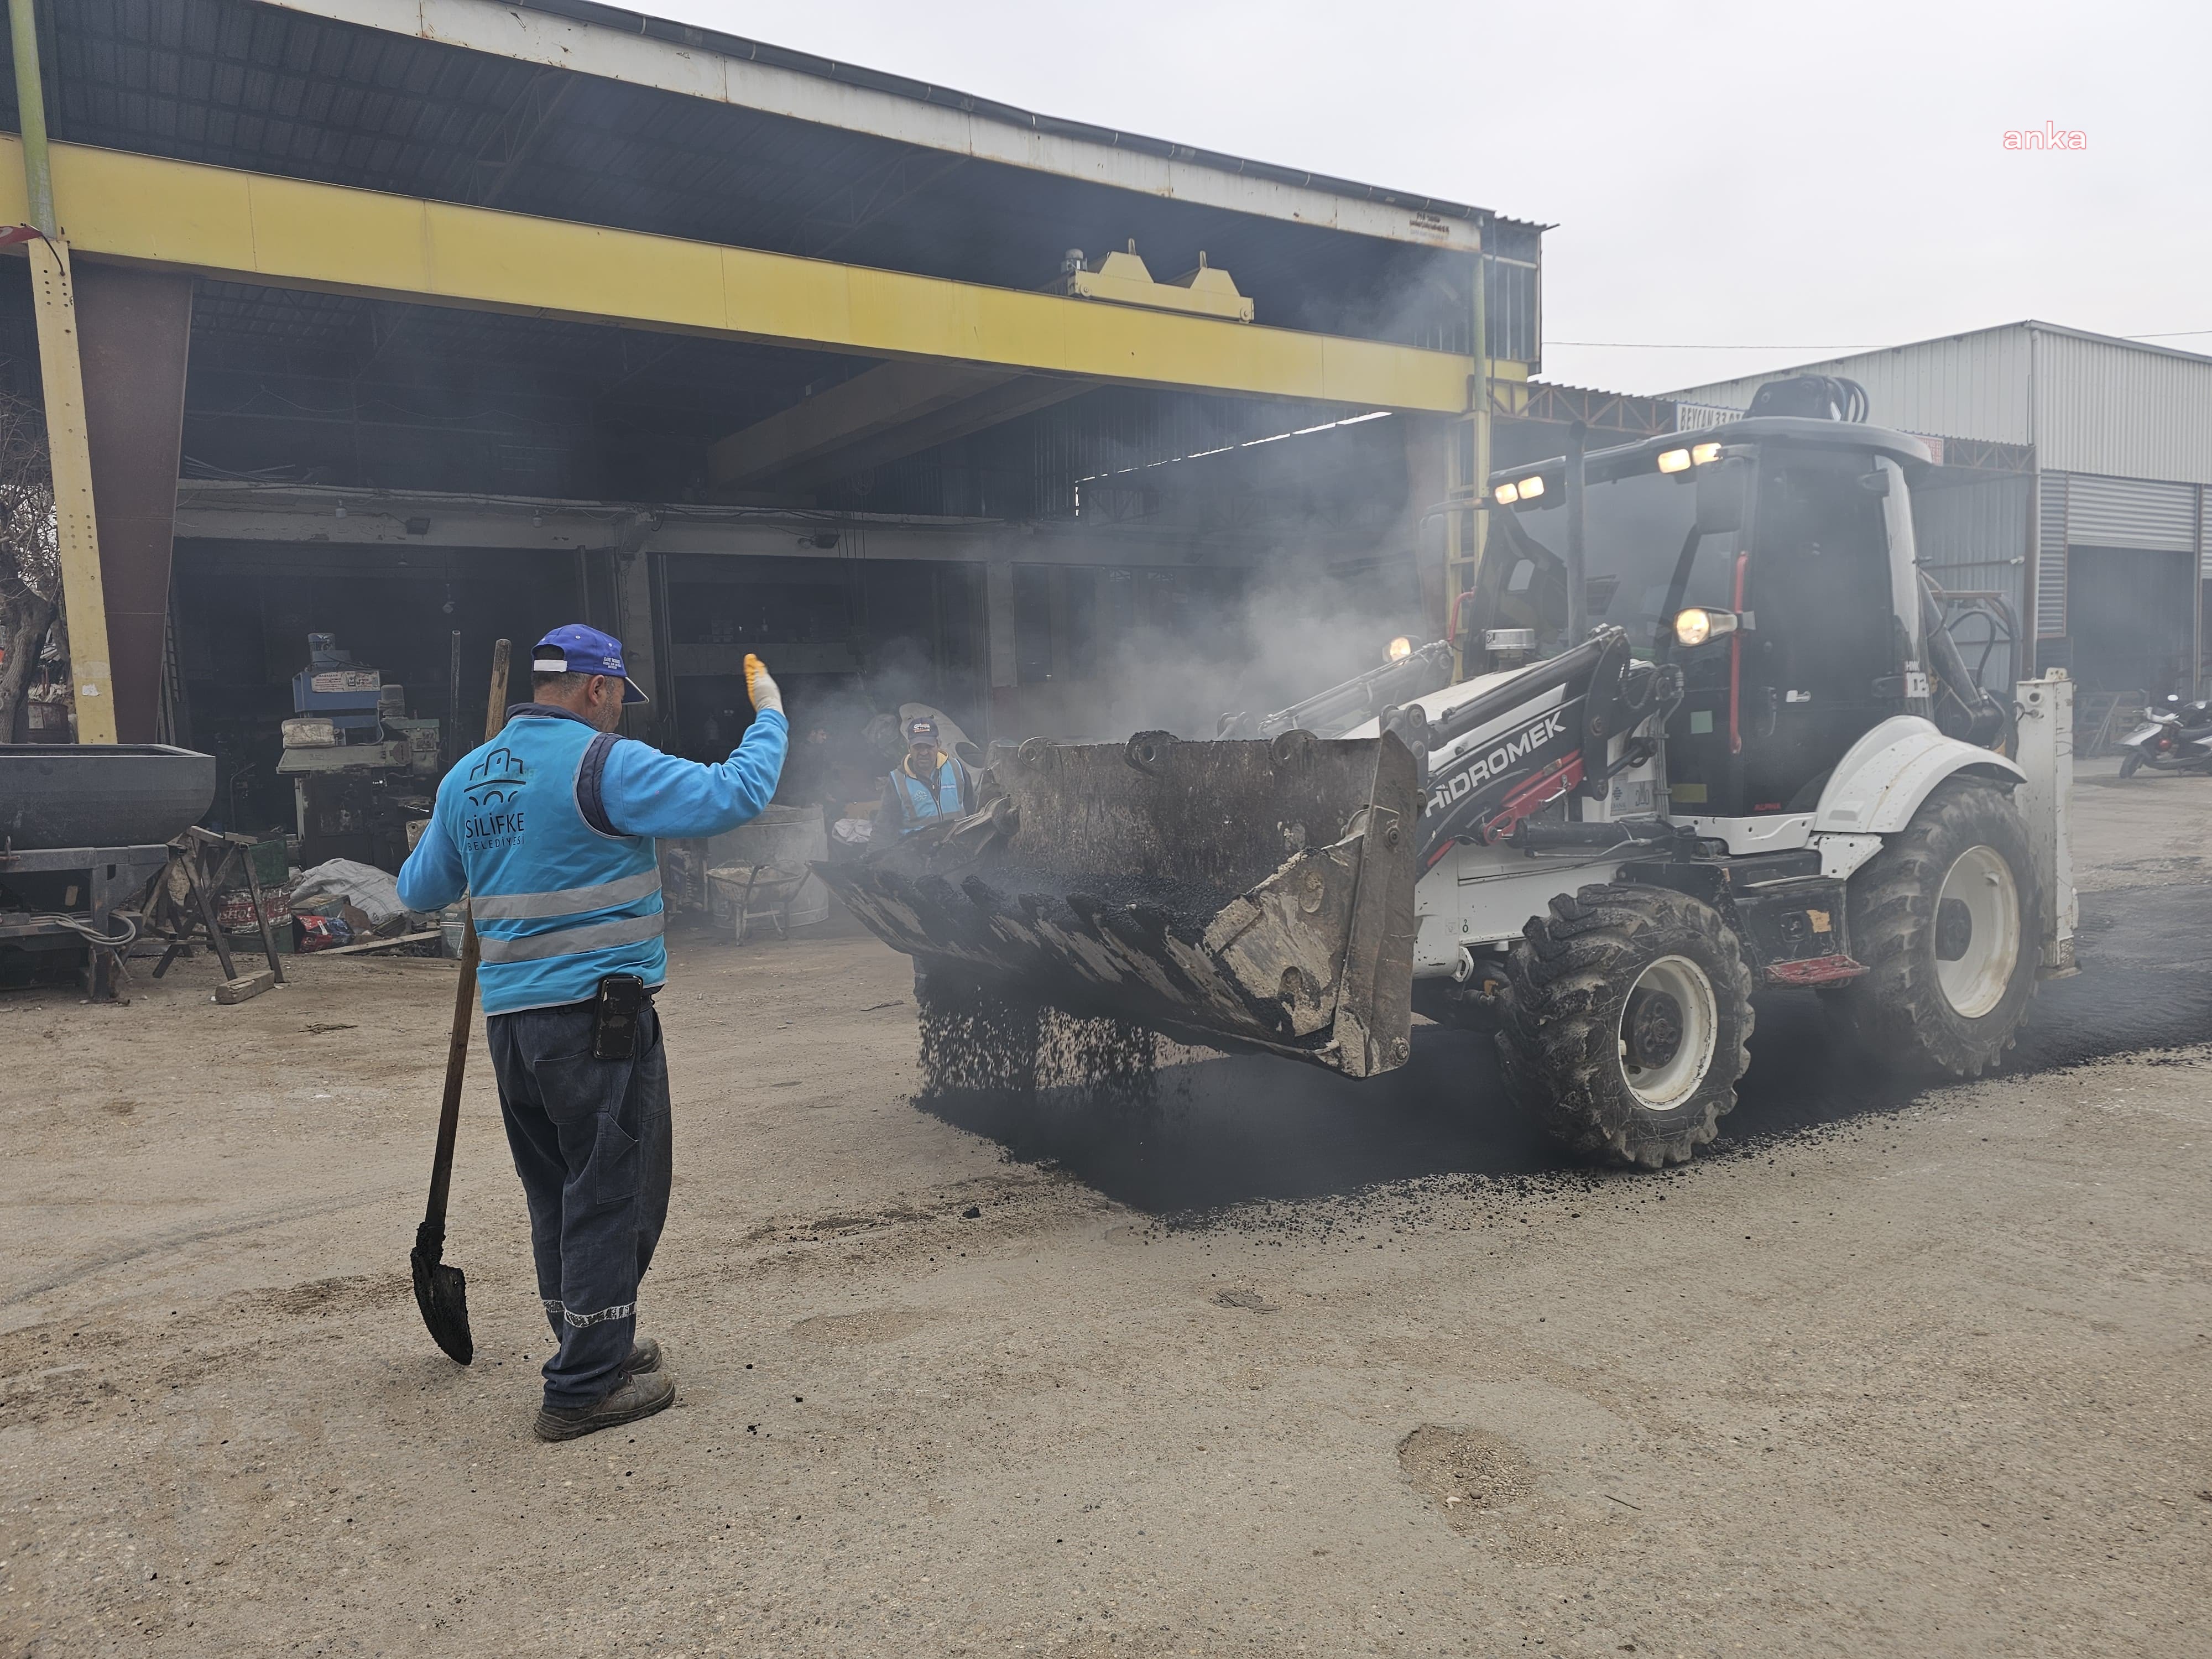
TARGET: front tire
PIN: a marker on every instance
(1945, 919)
(1628, 1014)
(2130, 762)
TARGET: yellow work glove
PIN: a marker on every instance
(761, 686)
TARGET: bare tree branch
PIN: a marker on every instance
(30, 549)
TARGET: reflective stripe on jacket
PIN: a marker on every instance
(558, 903)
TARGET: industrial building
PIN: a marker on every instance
(2095, 533)
(421, 326)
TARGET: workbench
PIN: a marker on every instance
(108, 877)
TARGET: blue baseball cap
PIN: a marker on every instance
(577, 649)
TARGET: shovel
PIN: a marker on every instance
(441, 1290)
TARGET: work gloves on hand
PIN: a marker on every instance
(761, 686)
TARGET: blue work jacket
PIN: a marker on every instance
(921, 804)
(550, 828)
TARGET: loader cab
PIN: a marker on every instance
(1792, 537)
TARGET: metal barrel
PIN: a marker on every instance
(1239, 894)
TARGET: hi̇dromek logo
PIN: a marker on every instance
(1496, 761)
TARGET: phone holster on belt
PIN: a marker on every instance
(617, 1012)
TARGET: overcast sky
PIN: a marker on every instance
(1797, 176)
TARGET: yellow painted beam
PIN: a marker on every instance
(290, 232)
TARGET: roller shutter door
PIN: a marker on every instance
(2160, 518)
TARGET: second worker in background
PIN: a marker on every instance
(927, 786)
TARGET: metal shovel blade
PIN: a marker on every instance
(442, 1293)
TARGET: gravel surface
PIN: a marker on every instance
(1271, 1364)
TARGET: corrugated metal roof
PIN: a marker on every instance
(258, 86)
(738, 46)
(2090, 402)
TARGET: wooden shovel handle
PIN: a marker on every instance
(465, 995)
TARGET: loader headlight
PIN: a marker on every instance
(1505, 495)
(1401, 648)
(1532, 487)
(1673, 461)
(1701, 453)
(1696, 625)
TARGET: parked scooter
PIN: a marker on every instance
(2175, 736)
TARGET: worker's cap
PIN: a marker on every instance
(577, 649)
(918, 727)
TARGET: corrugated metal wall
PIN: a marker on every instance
(2123, 411)
(2050, 559)
(1969, 386)
(1972, 537)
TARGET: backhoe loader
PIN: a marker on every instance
(1698, 729)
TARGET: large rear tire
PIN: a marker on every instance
(1945, 917)
(1628, 1014)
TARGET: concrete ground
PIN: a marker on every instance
(1878, 1375)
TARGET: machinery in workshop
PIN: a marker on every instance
(360, 768)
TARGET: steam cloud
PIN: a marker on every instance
(1299, 629)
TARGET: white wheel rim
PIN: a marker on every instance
(1668, 1084)
(1974, 981)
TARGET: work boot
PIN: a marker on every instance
(644, 1357)
(637, 1396)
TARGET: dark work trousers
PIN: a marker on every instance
(591, 1142)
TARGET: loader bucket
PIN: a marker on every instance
(1241, 895)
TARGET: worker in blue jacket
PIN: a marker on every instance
(928, 785)
(550, 828)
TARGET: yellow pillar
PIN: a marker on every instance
(83, 601)
(60, 372)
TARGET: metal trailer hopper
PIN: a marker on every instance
(1255, 895)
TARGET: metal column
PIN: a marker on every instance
(1466, 529)
(1578, 590)
(62, 375)
(999, 642)
(136, 330)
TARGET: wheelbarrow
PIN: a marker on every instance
(755, 892)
